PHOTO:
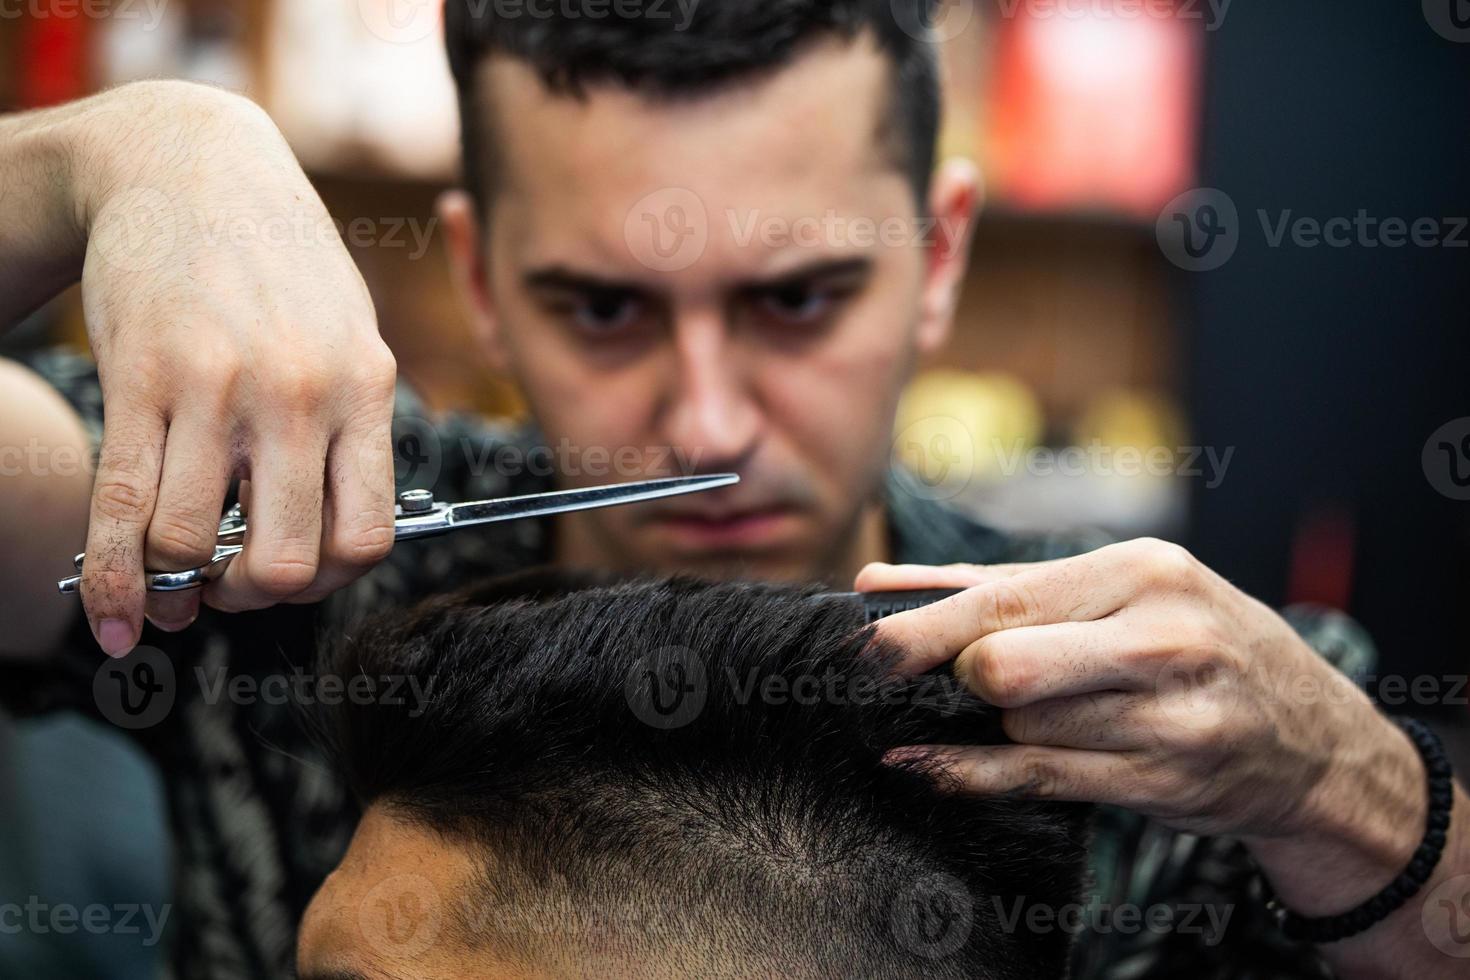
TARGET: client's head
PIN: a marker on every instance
(667, 779)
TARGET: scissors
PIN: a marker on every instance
(419, 515)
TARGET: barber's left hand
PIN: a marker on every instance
(1136, 676)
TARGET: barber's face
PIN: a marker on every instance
(738, 282)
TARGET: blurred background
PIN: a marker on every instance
(1151, 339)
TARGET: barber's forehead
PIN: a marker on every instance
(830, 99)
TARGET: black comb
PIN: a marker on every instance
(876, 605)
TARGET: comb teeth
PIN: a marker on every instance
(876, 605)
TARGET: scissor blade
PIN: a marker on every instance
(562, 501)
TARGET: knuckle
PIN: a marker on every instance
(282, 577)
(179, 539)
(365, 544)
(994, 677)
(122, 498)
(299, 386)
(1166, 563)
(377, 369)
(1040, 778)
(1008, 606)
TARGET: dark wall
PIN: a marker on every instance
(1329, 368)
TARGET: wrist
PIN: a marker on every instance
(163, 136)
(1356, 829)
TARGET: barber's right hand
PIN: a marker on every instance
(235, 338)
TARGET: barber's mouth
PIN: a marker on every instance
(737, 529)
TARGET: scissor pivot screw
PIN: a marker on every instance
(416, 501)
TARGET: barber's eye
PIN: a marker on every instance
(606, 311)
(798, 303)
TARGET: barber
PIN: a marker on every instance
(1130, 675)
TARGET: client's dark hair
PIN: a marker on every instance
(669, 50)
(689, 777)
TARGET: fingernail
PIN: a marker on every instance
(175, 627)
(115, 637)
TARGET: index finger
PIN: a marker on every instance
(128, 467)
(1060, 591)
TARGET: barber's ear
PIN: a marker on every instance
(468, 268)
(954, 198)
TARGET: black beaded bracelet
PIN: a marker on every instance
(1332, 928)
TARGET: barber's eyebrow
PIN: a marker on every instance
(853, 268)
(563, 279)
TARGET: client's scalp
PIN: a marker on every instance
(755, 826)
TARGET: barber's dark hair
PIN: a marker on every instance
(689, 777)
(647, 46)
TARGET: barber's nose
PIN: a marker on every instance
(712, 415)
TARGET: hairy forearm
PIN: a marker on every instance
(1362, 828)
(64, 169)
(42, 238)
